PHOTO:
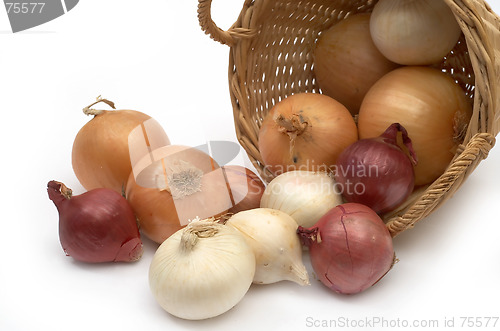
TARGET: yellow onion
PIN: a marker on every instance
(100, 155)
(429, 104)
(173, 185)
(305, 131)
(347, 63)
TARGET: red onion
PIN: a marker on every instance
(376, 172)
(350, 248)
(96, 226)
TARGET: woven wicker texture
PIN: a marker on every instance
(271, 46)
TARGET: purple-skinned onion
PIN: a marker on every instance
(96, 226)
(350, 248)
(376, 172)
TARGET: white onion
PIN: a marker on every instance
(201, 271)
(272, 234)
(304, 195)
(414, 32)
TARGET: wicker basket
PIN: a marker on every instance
(270, 58)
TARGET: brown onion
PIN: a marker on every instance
(347, 63)
(173, 185)
(305, 131)
(246, 188)
(376, 172)
(96, 226)
(350, 248)
(101, 154)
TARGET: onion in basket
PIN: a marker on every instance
(304, 195)
(429, 104)
(305, 131)
(376, 172)
(414, 32)
(347, 63)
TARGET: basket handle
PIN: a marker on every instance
(228, 37)
(475, 151)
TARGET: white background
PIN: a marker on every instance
(152, 56)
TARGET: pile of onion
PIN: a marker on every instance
(175, 193)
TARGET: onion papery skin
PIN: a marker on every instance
(347, 63)
(376, 172)
(350, 248)
(429, 104)
(96, 226)
(159, 212)
(305, 131)
(100, 154)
